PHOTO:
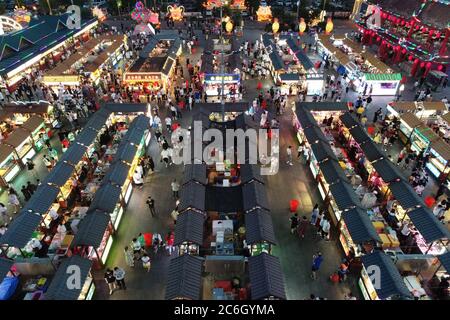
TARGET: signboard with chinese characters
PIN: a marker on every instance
(142, 77)
(217, 78)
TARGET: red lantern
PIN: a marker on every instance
(440, 67)
(425, 29)
(428, 65)
(422, 65)
(438, 34)
(417, 27)
(378, 39)
(431, 33)
(430, 201)
(404, 51)
(402, 23)
(410, 58)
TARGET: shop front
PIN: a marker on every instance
(189, 232)
(259, 234)
(213, 84)
(36, 126)
(18, 112)
(438, 163)
(408, 122)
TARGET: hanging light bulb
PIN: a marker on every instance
(329, 26)
(275, 26)
(302, 26)
(229, 26)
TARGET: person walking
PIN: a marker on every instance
(314, 214)
(317, 261)
(151, 205)
(294, 222)
(175, 188)
(325, 228)
(47, 162)
(170, 238)
(303, 225)
(129, 257)
(289, 155)
(110, 280)
(119, 274)
(137, 248)
(137, 179)
(146, 263)
(13, 200)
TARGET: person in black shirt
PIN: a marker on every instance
(294, 222)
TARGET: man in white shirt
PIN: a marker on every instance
(137, 179)
(289, 155)
(168, 121)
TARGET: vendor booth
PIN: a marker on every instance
(35, 125)
(408, 122)
(259, 233)
(58, 288)
(388, 285)
(189, 232)
(9, 164)
(266, 278)
(20, 139)
(421, 139)
(184, 278)
(438, 163)
(17, 112)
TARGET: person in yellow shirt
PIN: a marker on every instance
(360, 111)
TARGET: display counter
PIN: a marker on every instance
(9, 165)
(438, 163)
(212, 84)
(35, 125)
(408, 122)
(421, 139)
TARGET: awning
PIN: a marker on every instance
(359, 134)
(304, 60)
(277, 63)
(344, 195)
(117, 174)
(33, 123)
(195, 172)
(349, 120)
(411, 120)
(86, 137)
(74, 154)
(372, 151)
(21, 229)
(403, 106)
(266, 277)
(360, 226)
(106, 198)
(141, 121)
(5, 152)
(91, 229)
(426, 133)
(432, 105)
(305, 118)
(314, 134)
(126, 152)
(42, 199)
(134, 135)
(254, 196)
(103, 112)
(192, 196)
(189, 228)
(184, 278)
(224, 199)
(324, 106)
(428, 225)
(405, 194)
(5, 266)
(128, 108)
(446, 118)
(390, 282)
(387, 170)
(251, 172)
(383, 76)
(322, 151)
(259, 227)
(17, 137)
(442, 148)
(96, 122)
(60, 174)
(58, 288)
(332, 171)
(444, 259)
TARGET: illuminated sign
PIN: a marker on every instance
(142, 77)
(227, 78)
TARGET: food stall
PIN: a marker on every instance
(94, 238)
(213, 82)
(17, 112)
(421, 139)
(438, 163)
(387, 284)
(35, 125)
(189, 231)
(408, 122)
(58, 288)
(398, 108)
(358, 235)
(341, 197)
(259, 233)
(9, 165)
(20, 139)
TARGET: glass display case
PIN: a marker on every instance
(9, 166)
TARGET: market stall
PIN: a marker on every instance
(20, 139)
(35, 125)
(58, 288)
(388, 285)
(259, 233)
(408, 122)
(189, 232)
(184, 278)
(94, 238)
(9, 165)
(266, 278)
(438, 163)
(18, 112)
(341, 197)
(421, 139)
